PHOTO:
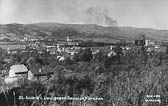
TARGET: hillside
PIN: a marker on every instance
(36, 30)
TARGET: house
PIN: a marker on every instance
(71, 51)
(160, 49)
(41, 73)
(60, 58)
(112, 53)
(16, 72)
(157, 48)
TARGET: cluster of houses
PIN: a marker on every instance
(70, 47)
(18, 74)
(151, 45)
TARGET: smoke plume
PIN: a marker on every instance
(61, 11)
(99, 16)
(91, 15)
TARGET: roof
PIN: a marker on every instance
(18, 69)
(159, 49)
(37, 71)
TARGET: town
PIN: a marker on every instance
(37, 66)
(83, 53)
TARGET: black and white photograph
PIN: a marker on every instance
(83, 53)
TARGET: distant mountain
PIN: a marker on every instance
(18, 31)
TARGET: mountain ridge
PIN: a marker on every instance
(79, 30)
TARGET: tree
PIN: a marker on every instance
(118, 50)
(39, 61)
(86, 55)
(68, 61)
(100, 57)
(76, 58)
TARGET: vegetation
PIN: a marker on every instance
(121, 80)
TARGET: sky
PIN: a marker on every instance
(134, 13)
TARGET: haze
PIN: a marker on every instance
(134, 13)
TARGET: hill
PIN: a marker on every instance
(38, 30)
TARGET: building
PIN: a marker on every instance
(41, 73)
(147, 42)
(140, 40)
(16, 72)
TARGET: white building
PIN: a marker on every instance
(146, 42)
(16, 72)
